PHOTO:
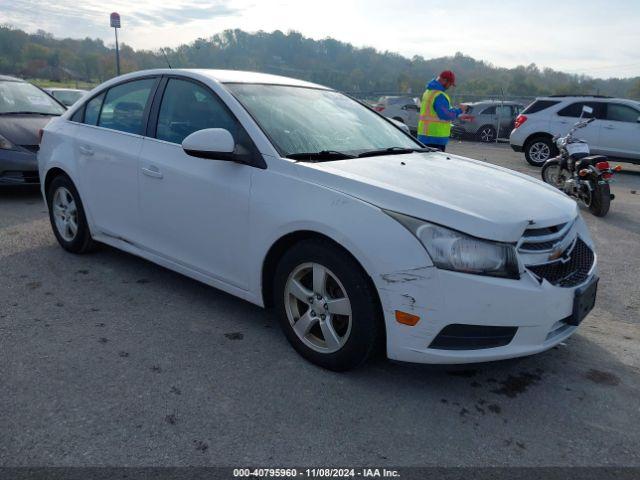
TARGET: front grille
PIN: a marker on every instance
(31, 148)
(541, 239)
(569, 271)
(472, 337)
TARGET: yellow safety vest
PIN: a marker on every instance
(430, 124)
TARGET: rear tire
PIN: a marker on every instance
(600, 200)
(323, 334)
(538, 150)
(67, 216)
(486, 134)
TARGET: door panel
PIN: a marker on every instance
(566, 118)
(195, 211)
(107, 146)
(108, 167)
(620, 133)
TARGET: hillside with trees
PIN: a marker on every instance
(329, 62)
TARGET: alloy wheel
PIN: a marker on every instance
(539, 152)
(486, 135)
(65, 213)
(318, 308)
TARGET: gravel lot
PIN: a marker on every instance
(108, 359)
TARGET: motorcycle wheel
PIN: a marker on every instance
(600, 200)
(551, 173)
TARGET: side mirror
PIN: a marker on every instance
(638, 120)
(212, 143)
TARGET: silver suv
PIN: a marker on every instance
(490, 118)
(615, 132)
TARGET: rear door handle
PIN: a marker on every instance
(86, 150)
(152, 172)
(609, 127)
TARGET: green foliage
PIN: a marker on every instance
(329, 62)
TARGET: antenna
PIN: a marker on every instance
(165, 57)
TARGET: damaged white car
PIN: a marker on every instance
(291, 195)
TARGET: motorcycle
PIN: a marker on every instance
(579, 174)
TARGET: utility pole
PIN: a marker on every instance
(115, 23)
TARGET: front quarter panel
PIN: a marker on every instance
(283, 203)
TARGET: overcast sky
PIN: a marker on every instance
(593, 37)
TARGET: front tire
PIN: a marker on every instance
(67, 216)
(326, 305)
(538, 150)
(552, 173)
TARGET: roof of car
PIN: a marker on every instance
(492, 102)
(7, 78)
(572, 98)
(224, 76)
(60, 89)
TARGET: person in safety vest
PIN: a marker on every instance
(436, 113)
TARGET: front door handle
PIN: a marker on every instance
(86, 150)
(609, 127)
(152, 172)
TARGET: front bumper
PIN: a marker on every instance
(442, 298)
(18, 167)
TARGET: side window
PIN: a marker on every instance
(124, 106)
(92, 110)
(188, 107)
(77, 117)
(575, 109)
(540, 105)
(622, 113)
(489, 111)
(505, 111)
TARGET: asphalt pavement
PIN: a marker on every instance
(107, 359)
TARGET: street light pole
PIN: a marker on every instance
(115, 23)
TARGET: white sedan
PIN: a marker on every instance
(294, 196)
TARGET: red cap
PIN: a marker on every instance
(448, 75)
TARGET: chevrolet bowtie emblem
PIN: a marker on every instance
(556, 254)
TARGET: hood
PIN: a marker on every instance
(23, 129)
(473, 197)
(435, 85)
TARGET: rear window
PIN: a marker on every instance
(540, 105)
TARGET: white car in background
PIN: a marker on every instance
(403, 109)
(358, 236)
(615, 132)
(66, 96)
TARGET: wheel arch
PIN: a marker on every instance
(280, 247)
(490, 125)
(53, 173)
(536, 135)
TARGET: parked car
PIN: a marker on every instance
(490, 118)
(615, 132)
(24, 110)
(402, 109)
(358, 236)
(66, 96)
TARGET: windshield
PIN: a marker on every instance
(67, 97)
(303, 120)
(22, 97)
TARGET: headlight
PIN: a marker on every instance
(5, 144)
(452, 250)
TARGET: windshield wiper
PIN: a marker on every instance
(394, 151)
(323, 155)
